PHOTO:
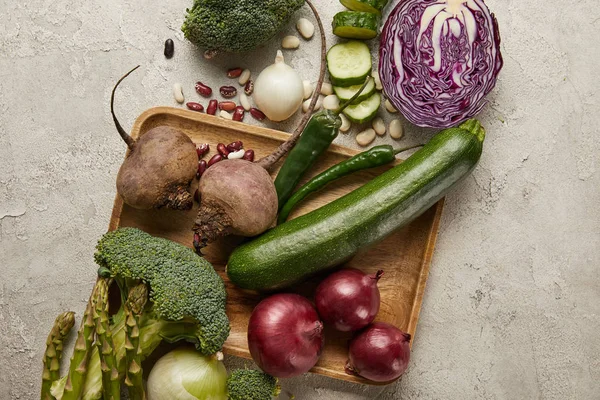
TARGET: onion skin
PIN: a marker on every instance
(379, 353)
(438, 59)
(348, 299)
(285, 335)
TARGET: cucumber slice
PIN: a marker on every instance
(372, 6)
(346, 93)
(365, 110)
(349, 63)
(355, 25)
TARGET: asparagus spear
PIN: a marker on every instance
(111, 385)
(136, 301)
(81, 353)
(54, 346)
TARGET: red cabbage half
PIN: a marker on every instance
(438, 59)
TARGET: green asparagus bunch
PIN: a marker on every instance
(54, 347)
(133, 366)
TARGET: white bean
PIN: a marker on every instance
(379, 126)
(290, 42)
(345, 127)
(375, 75)
(245, 101)
(225, 114)
(388, 106)
(178, 93)
(318, 104)
(308, 89)
(236, 154)
(244, 77)
(331, 102)
(396, 129)
(326, 89)
(306, 28)
(365, 137)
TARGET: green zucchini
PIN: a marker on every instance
(349, 63)
(355, 25)
(332, 234)
(372, 6)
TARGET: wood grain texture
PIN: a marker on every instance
(405, 256)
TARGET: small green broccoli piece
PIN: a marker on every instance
(249, 384)
(183, 286)
(236, 25)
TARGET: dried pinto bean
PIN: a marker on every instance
(249, 87)
(228, 91)
(195, 106)
(222, 149)
(227, 106)
(202, 150)
(238, 114)
(202, 165)
(248, 155)
(257, 114)
(235, 146)
(212, 107)
(202, 89)
(234, 72)
(215, 159)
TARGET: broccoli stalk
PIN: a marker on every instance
(249, 384)
(54, 347)
(133, 308)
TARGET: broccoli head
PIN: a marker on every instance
(236, 25)
(183, 286)
(249, 384)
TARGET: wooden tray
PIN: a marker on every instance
(404, 256)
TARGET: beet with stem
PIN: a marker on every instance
(158, 168)
(237, 196)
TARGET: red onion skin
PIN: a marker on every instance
(380, 353)
(348, 299)
(285, 335)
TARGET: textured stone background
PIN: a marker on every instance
(512, 305)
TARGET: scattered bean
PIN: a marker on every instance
(388, 106)
(227, 106)
(202, 150)
(228, 91)
(236, 154)
(326, 89)
(234, 72)
(244, 77)
(290, 42)
(345, 127)
(249, 87)
(365, 137)
(222, 149)
(225, 114)
(331, 102)
(308, 89)
(396, 129)
(169, 48)
(212, 107)
(203, 90)
(257, 114)
(306, 28)
(379, 126)
(375, 75)
(239, 113)
(202, 165)
(195, 106)
(249, 155)
(215, 159)
(235, 146)
(245, 101)
(178, 93)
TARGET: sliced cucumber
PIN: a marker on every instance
(349, 63)
(365, 110)
(372, 6)
(355, 25)
(346, 93)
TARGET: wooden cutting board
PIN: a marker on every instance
(405, 256)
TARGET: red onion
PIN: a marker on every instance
(379, 353)
(348, 299)
(285, 335)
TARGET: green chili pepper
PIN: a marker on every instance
(318, 134)
(374, 157)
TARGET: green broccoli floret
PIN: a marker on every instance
(183, 286)
(249, 384)
(236, 25)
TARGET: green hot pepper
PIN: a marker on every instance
(320, 131)
(374, 157)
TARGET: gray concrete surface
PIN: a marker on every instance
(512, 305)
